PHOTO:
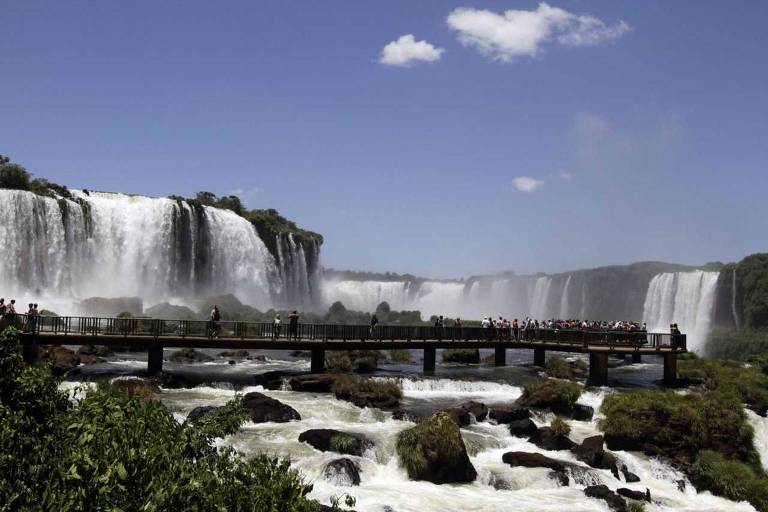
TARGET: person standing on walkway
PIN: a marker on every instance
(276, 327)
(215, 319)
(293, 325)
(10, 313)
(3, 308)
(374, 323)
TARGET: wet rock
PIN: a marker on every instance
(533, 460)
(582, 412)
(364, 399)
(146, 389)
(560, 477)
(504, 414)
(522, 428)
(602, 492)
(629, 477)
(232, 361)
(62, 358)
(635, 495)
(591, 452)
(237, 354)
(460, 416)
(545, 438)
(274, 379)
(198, 412)
(343, 472)
(329, 440)
(403, 415)
(476, 409)
(95, 350)
(262, 408)
(189, 355)
(610, 461)
(681, 485)
(434, 451)
(313, 382)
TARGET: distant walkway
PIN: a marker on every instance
(153, 335)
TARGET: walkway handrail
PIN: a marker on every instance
(158, 328)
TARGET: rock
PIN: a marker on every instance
(232, 361)
(635, 495)
(522, 428)
(503, 414)
(313, 382)
(460, 416)
(343, 472)
(548, 440)
(533, 460)
(262, 409)
(95, 350)
(198, 412)
(274, 379)
(629, 477)
(364, 399)
(591, 452)
(62, 358)
(112, 307)
(403, 415)
(434, 451)
(602, 492)
(145, 389)
(90, 359)
(329, 440)
(622, 443)
(681, 485)
(476, 409)
(237, 354)
(189, 355)
(610, 461)
(461, 355)
(582, 412)
(560, 477)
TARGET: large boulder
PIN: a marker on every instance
(434, 451)
(559, 396)
(476, 409)
(342, 472)
(533, 460)
(313, 382)
(101, 306)
(582, 412)
(189, 355)
(460, 416)
(95, 350)
(504, 414)
(461, 355)
(62, 358)
(145, 389)
(199, 412)
(602, 492)
(590, 451)
(548, 440)
(329, 440)
(262, 409)
(634, 495)
(236, 354)
(522, 428)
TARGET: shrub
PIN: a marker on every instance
(737, 345)
(559, 427)
(749, 385)
(352, 360)
(558, 395)
(559, 368)
(13, 176)
(635, 506)
(461, 355)
(731, 479)
(347, 385)
(400, 355)
(344, 443)
(678, 426)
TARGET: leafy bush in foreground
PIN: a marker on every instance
(115, 451)
(731, 479)
(749, 385)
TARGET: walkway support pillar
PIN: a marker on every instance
(670, 369)
(500, 356)
(539, 357)
(598, 368)
(637, 358)
(154, 359)
(318, 360)
(429, 360)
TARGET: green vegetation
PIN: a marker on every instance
(16, 177)
(344, 443)
(747, 385)
(635, 506)
(558, 395)
(400, 355)
(737, 345)
(731, 479)
(752, 294)
(363, 361)
(461, 355)
(559, 368)
(114, 451)
(347, 385)
(560, 427)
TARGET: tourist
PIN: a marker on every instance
(374, 323)
(215, 319)
(293, 325)
(516, 329)
(10, 312)
(3, 308)
(276, 327)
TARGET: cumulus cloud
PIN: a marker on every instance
(526, 184)
(517, 33)
(406, 51)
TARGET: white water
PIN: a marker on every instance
(684, 298)
(498, 487)
(154, 248)
(564, 310)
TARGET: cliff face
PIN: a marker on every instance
(742, 294)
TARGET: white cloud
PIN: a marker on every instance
(406, 50)
(526, 184)
(516, 33)
(244, 192)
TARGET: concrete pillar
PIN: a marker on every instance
(30, 350)
(429, 360)
(670, 370)
(598, 368)
(318, 360)
(500, 356)
(637, 358)
(154, 359)
(540, 357)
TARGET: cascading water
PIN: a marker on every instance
(114, 245)
(539, 302)
(564, 309)
(684, 298)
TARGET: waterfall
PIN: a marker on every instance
(295, 275)
(115, 245)
(366, 295)
(564, 311)
(734, 309)
(539, 303)
(684, 298)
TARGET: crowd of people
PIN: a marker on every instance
(9, 315)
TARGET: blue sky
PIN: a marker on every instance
(642, 127)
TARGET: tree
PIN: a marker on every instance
(13, 176)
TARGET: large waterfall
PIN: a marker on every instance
(159, 249)
(684, 298)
